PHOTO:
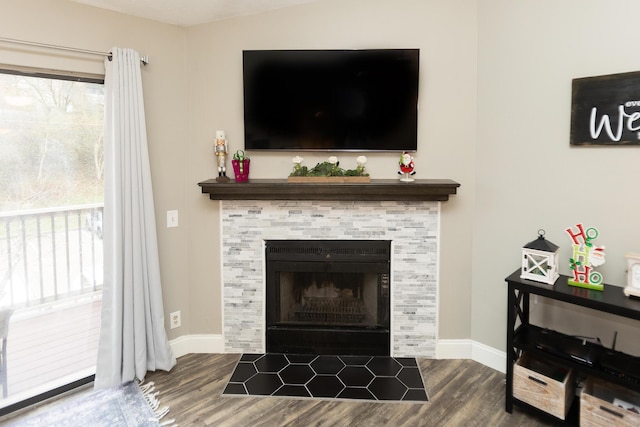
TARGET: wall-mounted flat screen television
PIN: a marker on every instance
(331, 100)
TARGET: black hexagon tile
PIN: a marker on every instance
(371, 378)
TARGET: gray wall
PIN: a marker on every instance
(527, 175)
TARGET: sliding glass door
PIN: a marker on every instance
(51, 198)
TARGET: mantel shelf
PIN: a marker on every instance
(376, 190)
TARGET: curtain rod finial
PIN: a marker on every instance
(145, 59)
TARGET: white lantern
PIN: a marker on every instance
(540, 260)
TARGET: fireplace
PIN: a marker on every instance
(411, 227)
(328, 297)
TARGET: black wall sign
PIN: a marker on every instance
(605, 110)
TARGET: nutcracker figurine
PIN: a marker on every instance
(221, 152)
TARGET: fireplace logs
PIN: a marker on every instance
(331, 310)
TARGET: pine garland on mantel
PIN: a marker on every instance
(328, 171)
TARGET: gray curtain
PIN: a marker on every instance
(132, 336)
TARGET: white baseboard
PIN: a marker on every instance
(197, 344)
(454, 349)
(490, 357)
(445, 349)
(469, 349)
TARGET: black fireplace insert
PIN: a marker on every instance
(328, 297)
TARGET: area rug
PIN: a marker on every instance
(368, 378)
(130, 405)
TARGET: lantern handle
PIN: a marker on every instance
(541, 233)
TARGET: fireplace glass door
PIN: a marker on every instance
(328, 297)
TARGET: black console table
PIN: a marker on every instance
(523, 336)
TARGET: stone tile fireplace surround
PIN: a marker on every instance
(412, 227)
(407, 214)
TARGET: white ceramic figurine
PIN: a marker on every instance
(406, 167)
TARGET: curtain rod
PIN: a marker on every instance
(144, 59)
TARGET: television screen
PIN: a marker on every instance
(331, 100)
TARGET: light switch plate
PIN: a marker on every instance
(172, 219)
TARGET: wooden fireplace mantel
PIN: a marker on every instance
(376, 190)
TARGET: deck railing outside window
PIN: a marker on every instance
(50, 254)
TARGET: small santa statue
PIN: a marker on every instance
(406, 167)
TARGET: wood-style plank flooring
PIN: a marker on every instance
(461, 392)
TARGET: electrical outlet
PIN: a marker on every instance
(175, 320)
(172, 219)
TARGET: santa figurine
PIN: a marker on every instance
(221, 152)
(406, 167)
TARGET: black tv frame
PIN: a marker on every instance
(331, 100)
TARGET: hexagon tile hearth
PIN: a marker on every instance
(374, 378)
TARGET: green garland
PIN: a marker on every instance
(327, 169)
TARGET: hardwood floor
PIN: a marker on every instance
(461, 393)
